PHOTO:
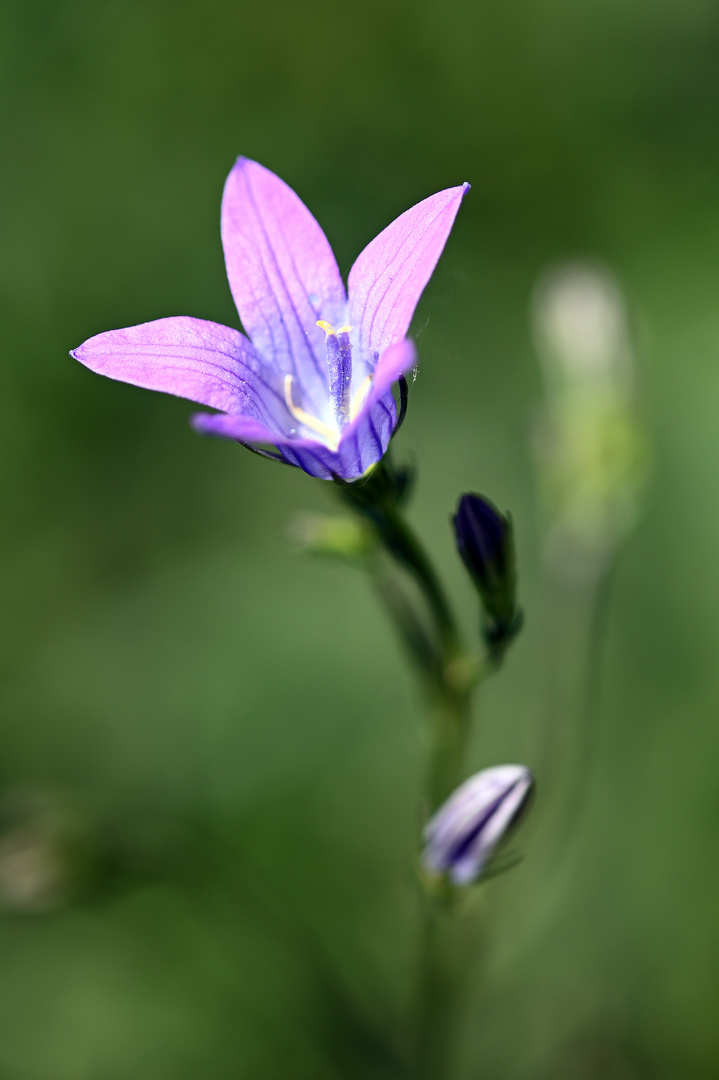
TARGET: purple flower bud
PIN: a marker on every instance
(468, 826)
(485, 541)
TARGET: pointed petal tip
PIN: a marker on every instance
(240, 165)
(390, 274)
(198, 422)
(242, 161)
(457, 192)
(208, 423)
(237, 426)
(81, 355)
(246, 166)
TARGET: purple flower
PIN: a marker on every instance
(314, 375)
(468, 826)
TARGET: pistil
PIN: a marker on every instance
(339, 363)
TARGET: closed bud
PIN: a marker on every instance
(485, 541)
(467, 828)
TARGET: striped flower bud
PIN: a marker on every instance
(466, 829)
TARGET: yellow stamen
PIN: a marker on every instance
(329, 434)
(329, 328)
(360, 396)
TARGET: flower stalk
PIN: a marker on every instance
(448, 671)
(449, 675)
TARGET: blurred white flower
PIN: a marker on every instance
(591, 448)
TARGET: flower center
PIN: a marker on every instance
(344, 406)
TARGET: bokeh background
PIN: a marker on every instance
(210, 750)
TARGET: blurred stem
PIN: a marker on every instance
(450, 716)
(575, 607)
(562, 737)
(438, 993)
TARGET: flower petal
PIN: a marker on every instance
(282, 274)
(397, 360)
(389, 276)
(191, 358)
(235, 426)
(362, 445)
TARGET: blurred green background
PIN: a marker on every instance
(219, 735)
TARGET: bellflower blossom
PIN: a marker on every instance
(313, 376)
(464, 832)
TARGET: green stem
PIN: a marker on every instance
(404, 546)
(450, 725)
(441, 964)
(447, 671)
(449, 676)
(436, 1000)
